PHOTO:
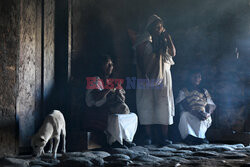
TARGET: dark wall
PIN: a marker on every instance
(27, 70)
(36, 67)
(9, 41)
(27, 74)
(205, 33)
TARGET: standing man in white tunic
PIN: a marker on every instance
(196, 107)
(155, 101)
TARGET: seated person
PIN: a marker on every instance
(196, 107)
(122, 124)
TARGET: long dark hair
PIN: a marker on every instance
(191, 73)
(103, 59)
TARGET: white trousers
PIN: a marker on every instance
(121, 127)
(191, 125)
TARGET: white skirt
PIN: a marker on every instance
(191, 125)
(156, 106)
(121, 127)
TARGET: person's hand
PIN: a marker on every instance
(165, 38)
(113, 90)
(202, 115)
(199, 114)
(168, 43)
(208, 115)
(157, 44)
(118, 91)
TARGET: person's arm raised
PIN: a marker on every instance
(172, 50)
(99, 94)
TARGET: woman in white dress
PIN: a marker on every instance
(196, 106)
(121, 128)
(155, 102)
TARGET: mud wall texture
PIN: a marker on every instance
(9, 51)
